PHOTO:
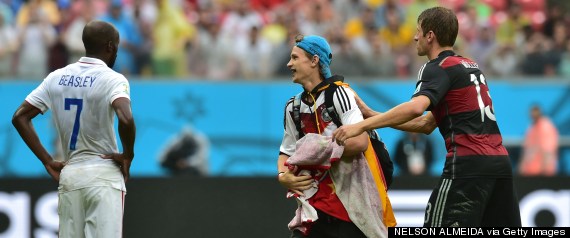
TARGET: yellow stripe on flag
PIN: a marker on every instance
(376, 170)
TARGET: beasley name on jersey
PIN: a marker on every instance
(76, 81)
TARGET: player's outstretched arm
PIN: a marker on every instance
(127, 132)
(422, 124)
(355, 145)
(22, 121)
(395, 116)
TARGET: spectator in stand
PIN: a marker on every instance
(511, 30)
(317, 20)
(556, 49)
(98, 7)
(6, 13)
(389, 7)
(275, 31)
(35, 37)
(564, 66)
(49, 11)
(554, 15)
(482, 46)
(58, 56)
(540, 148)
(414, 9)
(346, 60)
(374, 54)
(198, 53)
(8, 38)
(72, 38)
(131, 38)
(171, 35)
(7, 47)
(211, 55)
(400, 37)
(254, 55)
(239, 21)
(535, 61)
(144, 13)
(283, 50)
(348, 9)
(357, 26)
(468, 23)
(503, 61)
(171, 49)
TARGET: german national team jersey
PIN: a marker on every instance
(462, 106)
(80, 96)
(313, 120)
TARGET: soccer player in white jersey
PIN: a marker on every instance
(83, 97)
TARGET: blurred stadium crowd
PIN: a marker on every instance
(252, 39)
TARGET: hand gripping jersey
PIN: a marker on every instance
(80, 97)
(462, 106)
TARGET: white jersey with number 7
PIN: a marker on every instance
(80, 97)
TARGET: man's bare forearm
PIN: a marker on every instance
(395, 116)
(422, 124)
(22, 121)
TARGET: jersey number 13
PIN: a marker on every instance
(485, 109)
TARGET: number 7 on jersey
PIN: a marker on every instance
(79, 103)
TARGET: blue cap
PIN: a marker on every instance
(319, 46)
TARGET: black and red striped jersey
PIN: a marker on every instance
(462, 106)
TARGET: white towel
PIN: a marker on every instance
(313, 153)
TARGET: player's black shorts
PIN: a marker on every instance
(473, 202)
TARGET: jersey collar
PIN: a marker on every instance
(325, 83)
(446, 53)
(89, 60)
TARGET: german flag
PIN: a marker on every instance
(387, 212)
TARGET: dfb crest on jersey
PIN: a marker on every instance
(325, 116)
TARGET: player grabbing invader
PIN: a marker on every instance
(476, 186)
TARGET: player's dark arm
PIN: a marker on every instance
(22, 121)
(127, 128)
(127, 132)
